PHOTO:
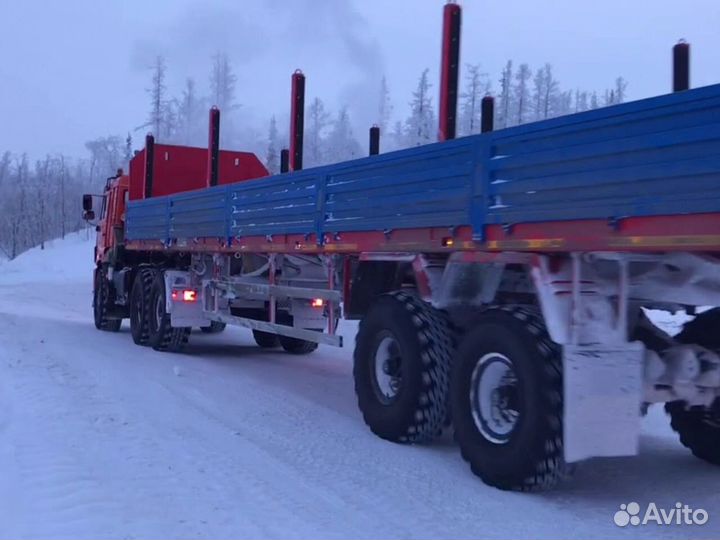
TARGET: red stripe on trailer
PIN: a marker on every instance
(667, 233)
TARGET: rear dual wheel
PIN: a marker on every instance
(162, 335)
(401, 368)
(699, 427)
(149, 320)
(502, 387)
(506, 401)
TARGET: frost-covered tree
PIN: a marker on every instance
(222, 94)
(222, 83)
(106, 156)
(342, 144)
(522, 94)
(318, 120)
(476, 86)
(620, 90)
(505, 98)
(397, 139)
(581, 101)
(420, 125)
(158, 120)
(190, 116)
(385, 107)
(546, 94)
(128, 155)
(272, 156)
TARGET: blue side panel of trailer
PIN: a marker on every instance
(659, 156)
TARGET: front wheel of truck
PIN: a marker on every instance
(103, 303)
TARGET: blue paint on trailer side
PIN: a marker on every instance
(658, 156)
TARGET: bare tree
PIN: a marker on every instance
(421, 122)
(342, 144)
(477, 86)
(522, 94)
(318, 122)
(505, 95)
(272, 158)
(385, 107)
(158, 98)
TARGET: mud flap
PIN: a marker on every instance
(603, 393)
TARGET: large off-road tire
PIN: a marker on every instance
(139, 305)
(103, 299)
(699, 428)
(297, 346)
(507, 400)
(403, 351)
(163, 337)
(266, 340)
(214, 328)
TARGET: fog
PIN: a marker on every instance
(78, 69)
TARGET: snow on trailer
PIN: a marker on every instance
(501, 279)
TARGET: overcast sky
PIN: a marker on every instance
(73, 70)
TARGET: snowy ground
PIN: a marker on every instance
(100, 438)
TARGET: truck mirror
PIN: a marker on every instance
(87, 202)
(88, 215)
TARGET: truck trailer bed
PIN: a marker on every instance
(637, 176)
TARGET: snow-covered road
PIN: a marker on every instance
(100, 438)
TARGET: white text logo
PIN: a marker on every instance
(680, 514)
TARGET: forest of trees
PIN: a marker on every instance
(40, 199)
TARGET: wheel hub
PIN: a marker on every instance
(388, 369)
(495, 398)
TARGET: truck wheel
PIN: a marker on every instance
(507, 400)
(265, 340)
(401, 368)
(699, 428)
(102, 302)
(297, 346)
(162, 336)
(214, 328)
(139, 302)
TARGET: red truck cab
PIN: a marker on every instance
(111, 221)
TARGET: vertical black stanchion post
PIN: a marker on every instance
(149, 165)
(681, 67)
(297, 121)
(213, 162)
(284, 160)
(374, 140)
(487, 121)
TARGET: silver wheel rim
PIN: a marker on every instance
(387, 362)
(493, 397)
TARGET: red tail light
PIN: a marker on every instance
(184, 295)
(317, 302)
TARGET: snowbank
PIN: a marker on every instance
(62, 260)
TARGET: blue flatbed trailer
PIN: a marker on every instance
(646, 159)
